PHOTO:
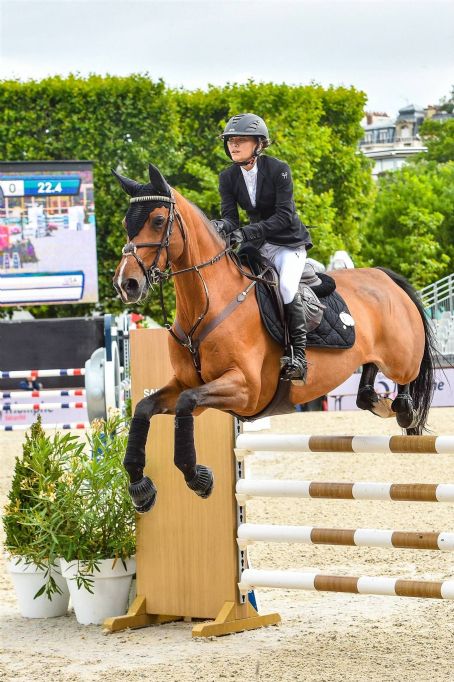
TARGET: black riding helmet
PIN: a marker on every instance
(246, 125)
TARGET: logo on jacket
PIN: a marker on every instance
(284, 175)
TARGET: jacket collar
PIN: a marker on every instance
(260, 176)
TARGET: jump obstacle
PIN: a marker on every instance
(102, 373)
(201, 568)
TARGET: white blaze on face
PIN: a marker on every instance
(120, 280)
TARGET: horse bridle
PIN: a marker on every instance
(153, 274)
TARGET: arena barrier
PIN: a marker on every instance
(103, 386)
(202, 569)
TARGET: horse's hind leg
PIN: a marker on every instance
(367, 398)
(402, 405)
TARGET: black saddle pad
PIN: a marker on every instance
(334, 329)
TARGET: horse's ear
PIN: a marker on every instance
(131, 187)
(158, 181)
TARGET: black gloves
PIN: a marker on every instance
(242, 234)
(219, 226)
(251, 232)
(236, 237)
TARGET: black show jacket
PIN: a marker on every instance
(274, 218)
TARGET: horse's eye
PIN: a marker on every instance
(158, 221)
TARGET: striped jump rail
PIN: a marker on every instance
(395, 587)
(37, 407)
(46, 393)
(64, 427)
(39, 373)
(360, 537)
(397, 492)
(247, 443)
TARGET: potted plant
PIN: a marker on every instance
(97, 538)
(33, 555)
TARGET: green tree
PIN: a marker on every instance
(410, 229)
(126, 123)
(315, 130)
(439, 138)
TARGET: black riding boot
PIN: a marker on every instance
(295, 367)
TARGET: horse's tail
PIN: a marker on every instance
(421, 388)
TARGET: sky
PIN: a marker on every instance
(398, 52)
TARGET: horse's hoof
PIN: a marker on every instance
(143, 494)
(407, 421)
(203, 481)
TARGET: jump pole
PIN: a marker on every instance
(188, 564)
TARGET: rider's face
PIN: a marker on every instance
(241, 148)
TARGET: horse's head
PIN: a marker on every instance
(151, 245)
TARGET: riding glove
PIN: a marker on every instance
(219, 226)
(236, 237)
(250, 233)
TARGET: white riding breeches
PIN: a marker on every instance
(289, 262)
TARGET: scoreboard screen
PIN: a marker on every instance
(39, 185)
(47, 233)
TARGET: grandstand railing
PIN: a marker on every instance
(438, 298)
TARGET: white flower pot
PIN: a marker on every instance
(27, 580)
(110, 587)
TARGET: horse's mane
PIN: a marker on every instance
(206, 221)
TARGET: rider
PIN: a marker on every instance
(263, 187)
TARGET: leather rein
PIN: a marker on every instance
(154, 275)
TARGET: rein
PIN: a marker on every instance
(154, 275)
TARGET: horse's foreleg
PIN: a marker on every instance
(227, 392)
(141, 488)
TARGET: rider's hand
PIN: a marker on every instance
(219, 226)
(250, 232)
(236, 237)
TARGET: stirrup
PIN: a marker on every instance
(295, 369)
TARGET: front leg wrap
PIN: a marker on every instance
(134, 461)
(184, 455)
(141, 489)
(198, 477)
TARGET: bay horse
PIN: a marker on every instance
(220, 351)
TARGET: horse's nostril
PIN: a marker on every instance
(131, 286)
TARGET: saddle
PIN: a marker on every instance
(328, 320)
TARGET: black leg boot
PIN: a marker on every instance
(294, 366)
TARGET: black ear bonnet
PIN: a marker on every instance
(138, 212)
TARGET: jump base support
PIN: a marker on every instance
(137, 617)
(226, 623)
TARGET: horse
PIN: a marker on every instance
(221, 353)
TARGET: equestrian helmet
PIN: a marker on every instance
(246, 125)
